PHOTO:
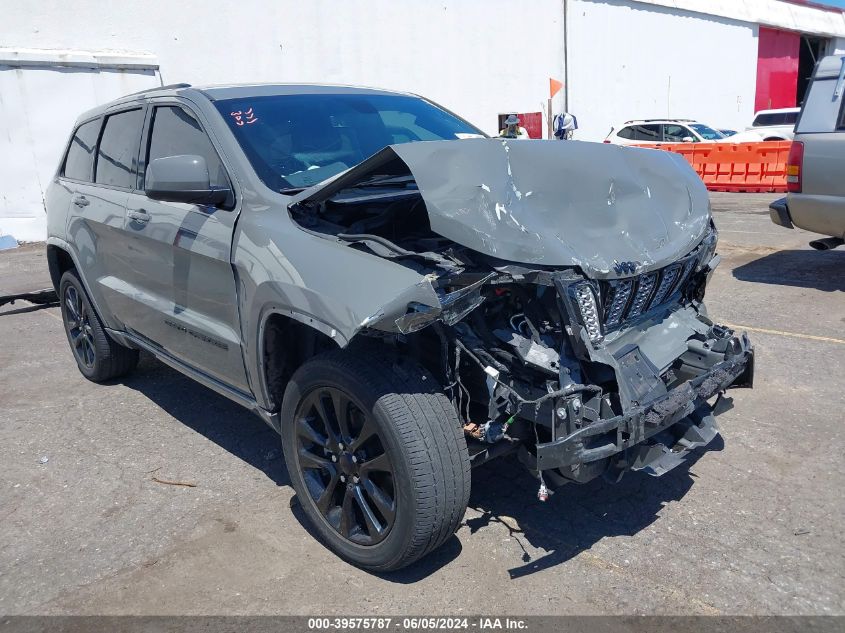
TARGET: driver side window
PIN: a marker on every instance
(175, 132)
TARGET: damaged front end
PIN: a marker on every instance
(565, 287)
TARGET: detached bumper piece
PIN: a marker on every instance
(642, 439)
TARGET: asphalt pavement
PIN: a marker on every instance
(752, 524)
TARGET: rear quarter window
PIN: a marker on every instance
(79, 162)
(626, 132)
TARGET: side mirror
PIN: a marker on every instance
(182, 178)
(687, 139)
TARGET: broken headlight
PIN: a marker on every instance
(454, 306)
(585, 296)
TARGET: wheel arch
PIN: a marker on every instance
(286, 339)
(62, 257)
(59, 260)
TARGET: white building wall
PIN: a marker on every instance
(473, 57)
(38, 105)
(630, 60)
(476, 58)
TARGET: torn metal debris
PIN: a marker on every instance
(559, 296)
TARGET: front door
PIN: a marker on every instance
(184, 283)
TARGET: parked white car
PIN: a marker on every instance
(646, 131)
(775, 125)
(769, 125)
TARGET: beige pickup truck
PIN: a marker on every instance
(815, 198)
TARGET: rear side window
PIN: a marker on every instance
(175, 133)
(117, 155)
(80, 155)
(765, 120)
(626, 132)
(775, 118)
(646, 133)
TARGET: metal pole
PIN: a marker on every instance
(566, 55)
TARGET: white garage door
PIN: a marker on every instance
(40, 99)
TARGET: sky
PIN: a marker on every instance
(833, 3)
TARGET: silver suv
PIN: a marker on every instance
(815, 168)
(398, 296)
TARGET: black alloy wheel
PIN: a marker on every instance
(376, 455)
(79, 330)
(98, 356)
(344, 465)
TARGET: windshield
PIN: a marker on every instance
(706, 132)
(295, 141)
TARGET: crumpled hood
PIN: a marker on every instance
(553, 203)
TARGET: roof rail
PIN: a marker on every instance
(663, 119)
(168, 87)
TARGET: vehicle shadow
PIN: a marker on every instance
(821, 270)
(247, 437)
(576, 516)
(503, 492)
(230, 426)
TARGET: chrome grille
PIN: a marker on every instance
(617, 301)
(607, 304)
(624, 299)
(667, 281)
(589, 310)
(645, 286)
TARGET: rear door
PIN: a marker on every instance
(180, 255)
(98, 204)
(648, 133)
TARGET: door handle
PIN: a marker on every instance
(81, 201)
(138, 215)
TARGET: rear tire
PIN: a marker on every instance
(98, 356)
(387, 516)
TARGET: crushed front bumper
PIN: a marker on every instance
(631, 431)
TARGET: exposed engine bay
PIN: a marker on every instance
(584, 365)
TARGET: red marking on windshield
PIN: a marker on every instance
(244, 117)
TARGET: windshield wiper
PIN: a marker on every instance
(384, 181)
(291, 190)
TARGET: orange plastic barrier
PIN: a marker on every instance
(749, 167)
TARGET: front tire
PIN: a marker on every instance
(98, 356)
(376, 455)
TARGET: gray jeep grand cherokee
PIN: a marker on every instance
(399, 311)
